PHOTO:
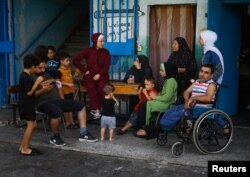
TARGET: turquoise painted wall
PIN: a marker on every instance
(32, 17)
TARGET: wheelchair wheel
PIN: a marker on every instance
(162, 139)
(213, 132)
(177, 149)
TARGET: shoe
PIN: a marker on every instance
(120, 132)
(57, 141)
(96, 114)
(73, 126)
(87, 137)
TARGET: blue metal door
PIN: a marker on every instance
(6, 48)
(224, 17)
(118, 21)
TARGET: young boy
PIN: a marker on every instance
(27, 89)
(52, 63)
(144, 95)
(108, 111)
(68, 88)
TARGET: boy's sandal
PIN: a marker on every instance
(34, 152)
(120, 132)
(77, 125)
(72, 126)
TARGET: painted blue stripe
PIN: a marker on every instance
(6, 46)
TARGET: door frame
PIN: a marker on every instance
(215, 23)
(7, 49)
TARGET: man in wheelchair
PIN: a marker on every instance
(212, 129)
(199, 97)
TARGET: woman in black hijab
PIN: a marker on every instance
(139, 70)
(137, 74)
(183, 58)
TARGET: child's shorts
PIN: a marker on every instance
(69, 96)
(107, 121)
(27, 112)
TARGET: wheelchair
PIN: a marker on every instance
(211, 132)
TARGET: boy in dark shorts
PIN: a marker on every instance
(27, 88)
(68, 88)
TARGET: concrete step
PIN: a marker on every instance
(75, 45)
(72, 52)
(80, 39)
(84, 27)
(82, 34)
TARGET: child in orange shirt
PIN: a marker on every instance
(68, 88)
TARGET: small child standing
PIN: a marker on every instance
(27, 88)
(52, 63)
(108, 111)
(144, 95)
(68, 89)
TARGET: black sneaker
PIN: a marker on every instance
(87, 137)
(57, 141)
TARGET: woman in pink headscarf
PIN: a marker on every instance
(95, 71)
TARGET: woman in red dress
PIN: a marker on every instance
(95, 71)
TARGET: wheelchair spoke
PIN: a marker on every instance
(217, 141)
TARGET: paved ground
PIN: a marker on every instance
(67, 163)
(126, 147)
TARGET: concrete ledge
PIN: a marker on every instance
(127, 146)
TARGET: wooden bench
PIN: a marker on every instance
(120, 88)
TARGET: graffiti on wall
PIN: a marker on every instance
(119, 29)
(119, 23)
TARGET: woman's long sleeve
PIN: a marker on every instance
(168, 90)
(106, 57)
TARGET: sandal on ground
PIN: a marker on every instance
(138, 135)
(120, 132)
(34, 152)
(72, 126)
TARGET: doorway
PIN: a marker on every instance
(166, 23)
(226, 19)
(244, 62)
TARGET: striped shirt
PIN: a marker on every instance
(200, 89)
